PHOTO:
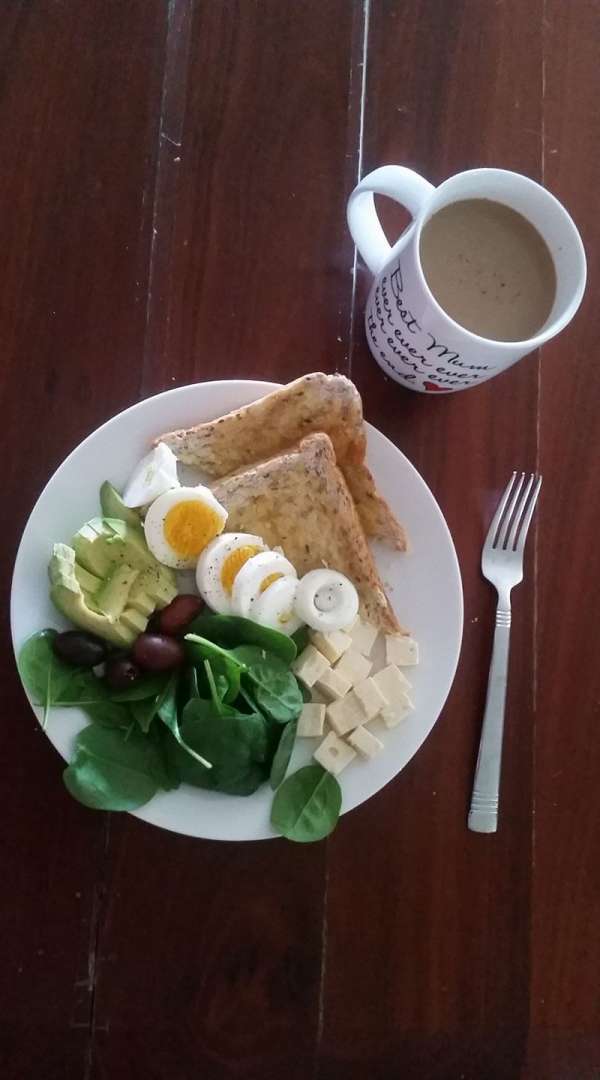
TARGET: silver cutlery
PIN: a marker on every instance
(502, 565)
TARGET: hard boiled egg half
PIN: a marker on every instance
(181, 523)
(238, 575)
(155, 474)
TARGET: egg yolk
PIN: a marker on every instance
(189, 526)
(233, 564)
(264, 585)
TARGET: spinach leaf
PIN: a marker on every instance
(111, 772)
(236, 743)
(193, 690)
(167, 711)
(109, 714)
(52, 682)
(148, 686)
(163, 770)
(233, 630)
(274, 686)
(222, 661)
(301, 639)
(144, 712)
(283, 754)
(307, 805)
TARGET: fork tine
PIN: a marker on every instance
(505, 525)
(518, 517)
(520, 544)
(494, 523)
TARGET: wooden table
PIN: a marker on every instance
(173, 188)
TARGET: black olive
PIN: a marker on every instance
(121, 672)
(178, 614)
(157, 652)
(79, 648)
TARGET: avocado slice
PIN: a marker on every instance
(69, 597)
(113, 595)
(114, 507)
(103, 542)
(108, 582)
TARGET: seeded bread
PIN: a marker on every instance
(300, 500)
(313, 403)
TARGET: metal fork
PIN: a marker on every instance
(502, 565)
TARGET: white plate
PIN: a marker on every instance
(424, 587)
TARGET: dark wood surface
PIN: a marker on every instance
(172, 199)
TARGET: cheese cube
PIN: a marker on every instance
(334, 754)
(392, 683)
(345, 714)
(393, 715)
(401, 650)
(370, 698)
(332, 645)
(311, 720)
(310, 665)
(333, 684)
(365, 742)
(317, 697)
(363, 636)
(353, 666)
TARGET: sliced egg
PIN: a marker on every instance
(256, 575)
(155, 474)
(275, 606)
(326, 600)
(180, 524)
(220, 564)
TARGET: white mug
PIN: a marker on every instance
(410, 335)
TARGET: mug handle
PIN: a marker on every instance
(399, 183)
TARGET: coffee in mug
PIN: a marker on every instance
(491, 267)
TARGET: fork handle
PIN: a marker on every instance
(483, 813)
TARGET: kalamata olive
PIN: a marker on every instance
(157, 652)
(179, 613)
(121, 672)
(79, 648)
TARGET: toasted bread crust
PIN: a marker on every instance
(300, 500)
(313, 403)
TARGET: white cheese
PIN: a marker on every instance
(370, 698)
(333, 684)
(393, 715)
(345, 714)
(353, 666)
(401, 650)
(334, 754)
(365, 742)
(310, 665)
(333, 644)
(392, 683)
(311, 720)
(363, 636)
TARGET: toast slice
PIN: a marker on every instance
(313, 403)
(300, 500)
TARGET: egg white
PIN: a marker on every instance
(209, 572)
(157, 525)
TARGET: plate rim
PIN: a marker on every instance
(267, 386)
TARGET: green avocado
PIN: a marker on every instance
(114, 507)
(68, 596)
(108, 582)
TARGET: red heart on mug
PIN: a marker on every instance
(432, 386)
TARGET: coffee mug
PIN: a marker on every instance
(410, 335)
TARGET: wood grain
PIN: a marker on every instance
(449, 911)
(565, 987)
(249, 228)
(79, 102)
(173, 208)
